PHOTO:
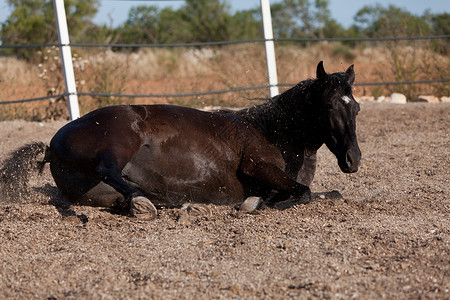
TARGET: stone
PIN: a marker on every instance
(445, 99)
(428, 98)
(398, 98)
(365, 98)
(381, 99)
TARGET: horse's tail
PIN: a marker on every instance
(17, 168)
(47, 158)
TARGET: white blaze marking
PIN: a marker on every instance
(346, 99)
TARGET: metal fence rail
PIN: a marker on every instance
(205, 44)
(222, 43)
(71, 93)
(198, 94)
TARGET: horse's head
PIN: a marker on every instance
(338, 110)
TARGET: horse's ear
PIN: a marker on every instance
(320, 73)
(350, 75)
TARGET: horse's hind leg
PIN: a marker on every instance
(110, 173)
(72, 184)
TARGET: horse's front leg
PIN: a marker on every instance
(274, 177)
(307, 171)
(301, 165)
(109, 171)
(293, 162)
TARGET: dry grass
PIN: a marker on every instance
(17, 71)
(186, 70)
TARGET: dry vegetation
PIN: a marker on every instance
(185, 70)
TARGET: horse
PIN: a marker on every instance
(299, 148)
(136, 156)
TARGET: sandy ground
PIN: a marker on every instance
(387, 238)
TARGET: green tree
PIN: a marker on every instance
(283, 21)
(246, 24)
(195, 21)
(142, 25)
(171, 27)
(33, 22)
(207, 20)
(302, 18)
(151, 25)
(378, 21)
(440, 24)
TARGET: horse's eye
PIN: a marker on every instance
(330, 107)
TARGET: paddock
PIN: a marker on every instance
(388, 236)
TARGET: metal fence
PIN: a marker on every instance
(300, 40)
(65, 44)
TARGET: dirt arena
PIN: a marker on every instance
(387, 238)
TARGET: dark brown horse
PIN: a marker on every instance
(302, 119)
(170, 154)
(137, 155)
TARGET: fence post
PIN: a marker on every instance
(66, 58)
(270, 48)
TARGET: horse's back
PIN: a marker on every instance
(82, 141)
(171, 154)
(187, 156)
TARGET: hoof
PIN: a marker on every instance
(196, 209)
(306, 197)
(142, 208)
(250, 204)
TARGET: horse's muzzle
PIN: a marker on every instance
(351, 162)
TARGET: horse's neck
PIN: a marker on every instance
(261, 116)
(278, 119)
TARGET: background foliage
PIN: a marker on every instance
(29, 72)
(32, 22)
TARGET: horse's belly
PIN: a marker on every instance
(176, 176)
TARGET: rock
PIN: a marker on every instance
(381, 99)
(365, 98)
(445, 99)
(428, 98)
(398, 98)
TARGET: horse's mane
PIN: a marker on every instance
(269, 115)
(301, 89)
(304, 91)
(299, 93)
(296, 104)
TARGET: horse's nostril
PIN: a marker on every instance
(348, 159)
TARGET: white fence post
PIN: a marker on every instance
(270, 48)
(66, 57)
